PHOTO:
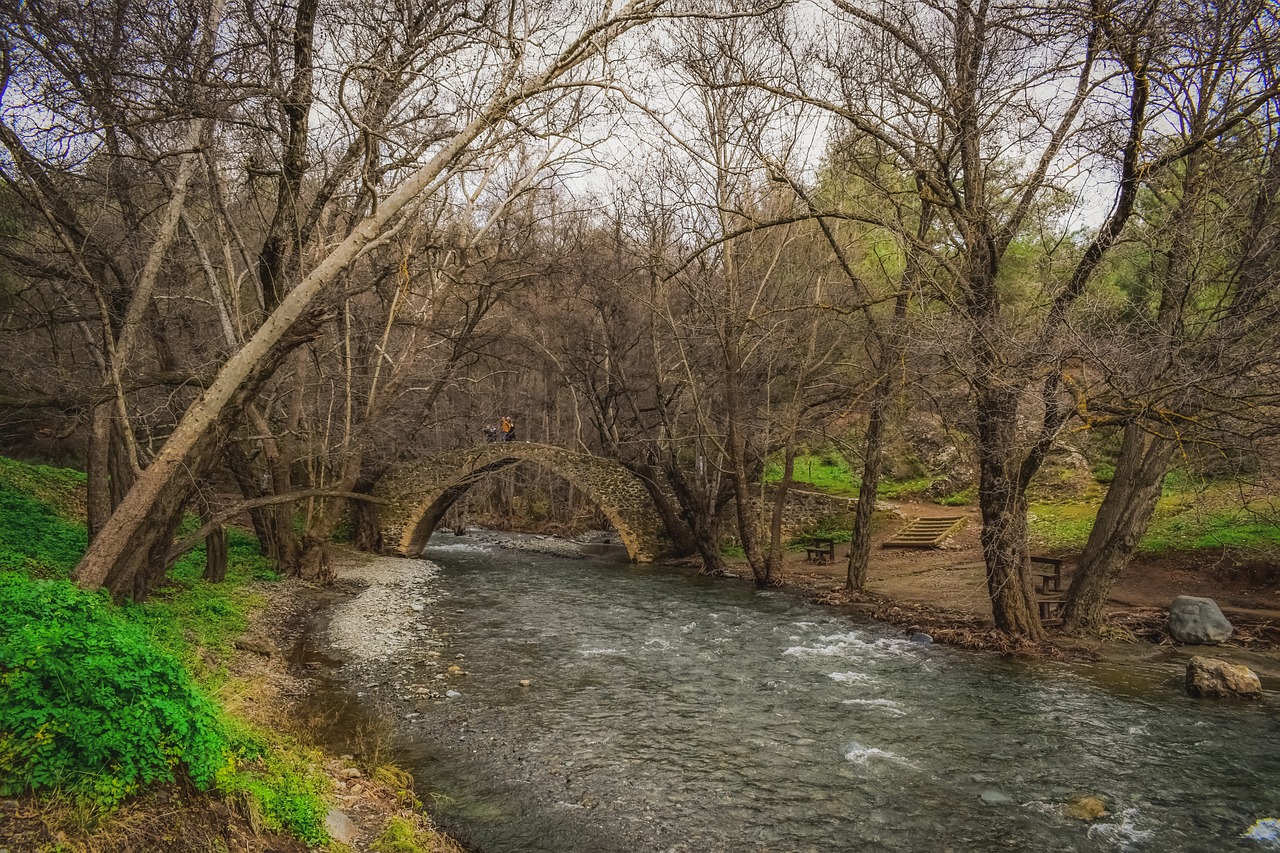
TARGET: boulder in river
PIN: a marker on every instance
(1216, 679)
(1087, 807)
(1197, 621)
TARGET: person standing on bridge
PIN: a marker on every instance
(508, 429)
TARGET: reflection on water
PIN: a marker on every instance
(668, 712)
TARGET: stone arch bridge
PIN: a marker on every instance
(418, 494)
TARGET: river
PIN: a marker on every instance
(668, 712)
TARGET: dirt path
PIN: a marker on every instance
(953, 579)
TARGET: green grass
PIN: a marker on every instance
(1180, 524)
(1233, 528)
(35, 538)
(964, 497)
(896, 490)
(825, 470)
(98, 701)
(1061, 526)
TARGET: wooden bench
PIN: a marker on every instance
(1051, 577)
(1052, 602)
(821, 551)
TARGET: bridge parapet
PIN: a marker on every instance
(419, 494)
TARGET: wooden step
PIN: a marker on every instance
(924, 532)
(1051, 610)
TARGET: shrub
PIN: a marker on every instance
(89, 703)
(284, 785)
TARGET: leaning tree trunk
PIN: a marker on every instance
(1122, 521)
(148, 556)
(130, 552)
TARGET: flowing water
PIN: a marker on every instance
(669, 712)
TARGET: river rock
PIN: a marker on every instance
(996, 798)
(1216, 679)
(340, 827)
(1197, 621)
(257, 644)
(1087, 807)
(921, 637)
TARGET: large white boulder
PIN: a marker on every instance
(1197, 621)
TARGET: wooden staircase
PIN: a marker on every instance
(925, 532)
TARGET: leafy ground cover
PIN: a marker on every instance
(100, 701)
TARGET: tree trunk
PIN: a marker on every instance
(747, 533)
(215, 556)
(98, 500)
(110, 471)
(860, 543)
(683, 542)
(282, 544)
(1122, 521)
(366, 523)
(367, 535)
(1003, 501)
(891, 351)
(316, 565)
(120, 552)
(773, 562)
(249, 480)
(147, 560)
(701, 514)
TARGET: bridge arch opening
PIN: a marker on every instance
(420, 495)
